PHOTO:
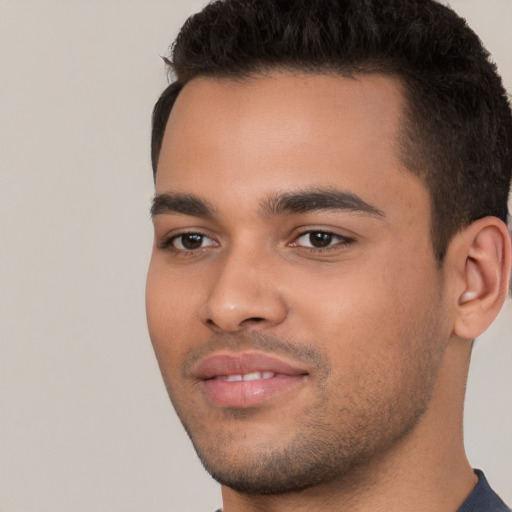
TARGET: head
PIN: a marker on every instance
(330, 179)
(457, 127)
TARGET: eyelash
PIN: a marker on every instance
(168, 243)
(340, 242)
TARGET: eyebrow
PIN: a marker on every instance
(306, 201)
(184, 204)
(290, 203)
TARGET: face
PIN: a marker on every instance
(293, 298)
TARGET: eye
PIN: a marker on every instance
(189, 242)
(320, 240)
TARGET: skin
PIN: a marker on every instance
(376, 421)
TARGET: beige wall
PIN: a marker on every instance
(85, 424)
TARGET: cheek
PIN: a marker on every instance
(169, 306)
(369, 309)
(382, 341)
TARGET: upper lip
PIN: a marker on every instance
(244, 363)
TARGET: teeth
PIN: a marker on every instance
(247, 376)
(259, 375)
(234, 378)
(253, 376)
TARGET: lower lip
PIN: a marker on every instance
(249, 393)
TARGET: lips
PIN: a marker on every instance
(246, 379)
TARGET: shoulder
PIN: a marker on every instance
(483, 498)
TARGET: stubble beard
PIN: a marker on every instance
(316, 454)
(329, 441)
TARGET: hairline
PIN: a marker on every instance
(408, 125)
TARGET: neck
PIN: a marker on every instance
(427, 470)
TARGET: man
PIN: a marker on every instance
(331, 196)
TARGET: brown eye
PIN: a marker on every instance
(191, 241)
(320, 239)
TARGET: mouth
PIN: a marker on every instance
(248, 376)
(246, 379)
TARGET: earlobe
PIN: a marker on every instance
(483, 251)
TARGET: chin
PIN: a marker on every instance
(314, 455)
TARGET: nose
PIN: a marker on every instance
(244, 295)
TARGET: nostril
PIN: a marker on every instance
(256, 320)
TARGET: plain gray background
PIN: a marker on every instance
(85, 423)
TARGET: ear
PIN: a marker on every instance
(481, 258)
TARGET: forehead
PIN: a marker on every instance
(283, 108)
(251, 138)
